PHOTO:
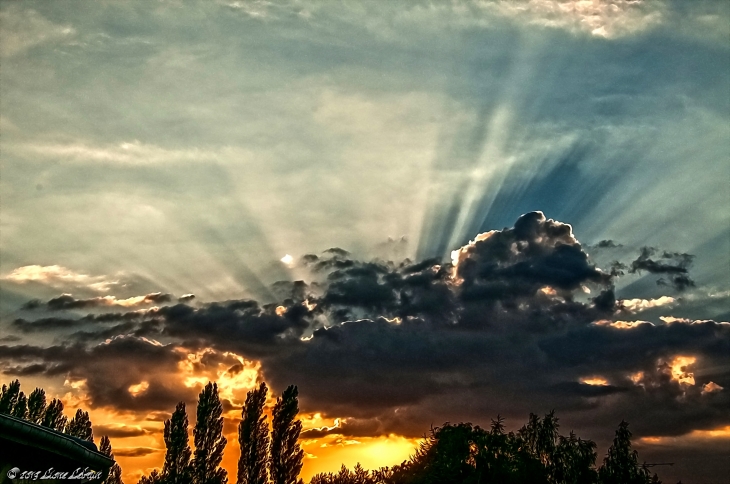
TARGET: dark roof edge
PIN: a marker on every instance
(24, 432)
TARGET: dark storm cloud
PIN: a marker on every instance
(116, 432)
(672, 264)
(99, 365)
(135, 451)
(45, 324)
(67, 302)
(520, 321)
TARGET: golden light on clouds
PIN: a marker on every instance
(679, 371)
(138, 389)
(711, 387)
(287, 260)
(594, 380)
(720, 433)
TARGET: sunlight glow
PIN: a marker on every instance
(678, 367)
(711, 387)
(138, 389)
(287, 260)
(595, 381)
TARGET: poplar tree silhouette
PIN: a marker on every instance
(53, 416)
(21, 407)
(115, 473)
(176, 469)
(36, 405)
(253, 438)
(9, 397)
(209, 440)
(286, 455)
(80, 426)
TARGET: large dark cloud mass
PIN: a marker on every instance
(520, 320)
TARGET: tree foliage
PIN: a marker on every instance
(209, 440)
(36, 405)
(53, 416)
(177, 467)
(621, 465)
(154, 478)
(253, 439)
(80, 426)
(9, 397)
(286, 454)
(115, 473)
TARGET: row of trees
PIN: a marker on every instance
(266, 456)
(536, 454)
(34, 408)
(271, 454)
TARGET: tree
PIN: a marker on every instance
(209, 440)
(80, 426)
(253, 438)
(36, 405)
(21, 407)
(176, 469)
(115, 473)
(9, 397)
(286, 455)
(53, 416)
(621, 463)
(154, 478)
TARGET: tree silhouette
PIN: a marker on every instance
(80, 426)
(9, 397)
(286, 455)
(36, 405)
(154, 478)
(621, 463)
(209, 440)
(115, 473)
(253, 438)
(53, 416)
(177, 467)
(21, 407)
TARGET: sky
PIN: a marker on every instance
(418, 212)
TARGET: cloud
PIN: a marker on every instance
(521, 320)
(116, 431)
(601, 18)
(675, 265)
(135, 451)
(57, 275)
(25, 28)
(66, 302)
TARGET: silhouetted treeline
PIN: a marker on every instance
(266, 456)
(536, 454)
(34, 408)
(454, 453)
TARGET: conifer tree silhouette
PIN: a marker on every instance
(36, 405)
(621, 463)
(253, 438)
(177, 467)
(286, 454)
(80, 426)
(115, 473)
(209, 440)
